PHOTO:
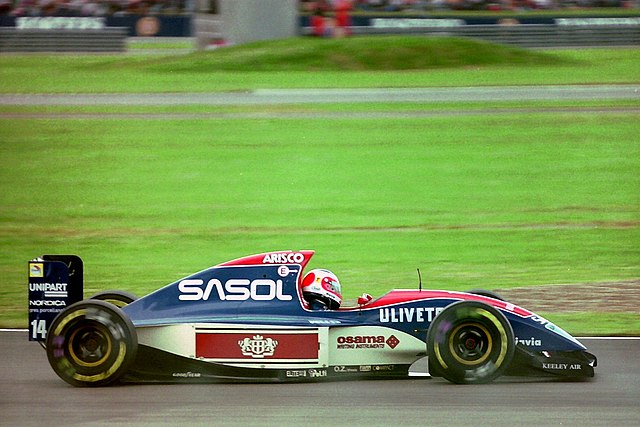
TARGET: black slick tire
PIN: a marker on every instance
(91, 343)
(470, 342)
(115, 297)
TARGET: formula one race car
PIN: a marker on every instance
(246, 320)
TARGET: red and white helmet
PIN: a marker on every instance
(323, 285)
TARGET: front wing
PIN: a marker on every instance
(567, 364)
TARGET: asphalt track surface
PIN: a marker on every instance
(32, 394)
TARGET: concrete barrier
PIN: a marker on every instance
(110, 39)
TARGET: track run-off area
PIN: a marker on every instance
(266, 97)
(32, 394)
(315, 96)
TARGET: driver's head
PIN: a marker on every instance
(323, 285)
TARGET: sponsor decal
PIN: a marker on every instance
(258, 347)
(47, 303)
(283, 258)
(324, 322)
(232, 290)
(341, 369)
(366, 341)
(46, 300)
(51, 290)
(186, 374)
(36, 269)
(415, 23)
(283, 271)
(300, 373)
(530, 342)
(317, 373)
(392, 342)
(409, 314)
(597, 21)
(60, 23)
(562, 366)
(383, 368)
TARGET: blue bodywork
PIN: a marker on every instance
(269, 294)
(247, 320)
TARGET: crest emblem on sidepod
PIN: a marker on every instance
(258, 347)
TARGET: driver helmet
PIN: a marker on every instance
(324, 286)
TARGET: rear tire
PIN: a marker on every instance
(486, 293)
(91, 343)
(470, 342)
(117, 298)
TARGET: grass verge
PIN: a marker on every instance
(474, 202)
(311, 63)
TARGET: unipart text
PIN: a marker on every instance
(48, 287)
(232, 290)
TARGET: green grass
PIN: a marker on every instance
(151, 44)
(473, 202)
(583, 324)
(380, 53)
(313, 63)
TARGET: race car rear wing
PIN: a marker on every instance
(55, 282)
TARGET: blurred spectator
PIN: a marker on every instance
(320, 22)
(342, 10)
(93, 7)
(5, 7)
(492, 5)
(329, 18)
(326, 9)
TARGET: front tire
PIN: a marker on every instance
(470, 342)
(91, 343)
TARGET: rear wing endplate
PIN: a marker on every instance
(55, 282)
